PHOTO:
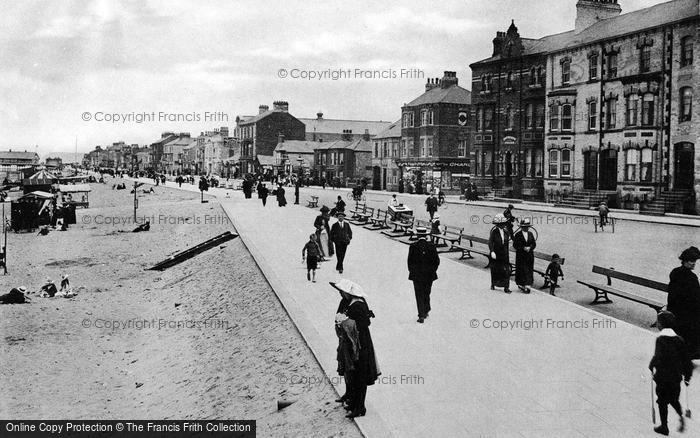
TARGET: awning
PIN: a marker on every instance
(39, 194)
(74, 188)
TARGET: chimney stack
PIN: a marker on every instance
(280, 105)
(432, 83)
(498, 43)
(365, 136)
(319, 115)
(263, 109)
(449, 79)
(589, 12)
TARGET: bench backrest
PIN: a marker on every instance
(457, 232)
(612, 273)
(421, 223)
(473, 239)
(547, 257)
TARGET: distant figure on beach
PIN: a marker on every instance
(15, 296)
(281, 199)
(684, 300)
(65, 283)
(357, 361)
(48, 289)
(262, 193)
(143, 227)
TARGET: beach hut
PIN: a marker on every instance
(30, 211)
(42, 180)
(75, 194)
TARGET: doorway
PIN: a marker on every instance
(683, 174)
(608, 169)
(590, 170)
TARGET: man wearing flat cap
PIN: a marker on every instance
(341, 235)
(684, 300)
(524, 244)
(423, 262)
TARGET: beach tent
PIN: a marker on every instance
(41, 181)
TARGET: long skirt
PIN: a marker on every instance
(524, 266)
(500, 273)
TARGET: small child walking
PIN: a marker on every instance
(671, 364)
(553, 273)
(311, 253)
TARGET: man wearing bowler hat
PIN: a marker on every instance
(423, 262)
(341, 235)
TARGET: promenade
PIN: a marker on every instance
(484, 364)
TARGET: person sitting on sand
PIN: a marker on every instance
(49, 289)
(44, 231)
(143, 227)
(15, 296)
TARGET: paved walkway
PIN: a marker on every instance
(457, 375)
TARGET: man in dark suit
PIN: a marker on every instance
(423, 262)
(341, 235)
(339, 207)
(431, 204)
(500, 257)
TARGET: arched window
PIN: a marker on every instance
(509, 122)
(565, 71)
(566, 163)
(554, 117)
(645, 59)
(528, 116)
(480, 119)
(648, 106)
(593, 66)
(592, 115)
(540, 75)
(645, 169)
(686, 104)
(686, 51)
(632, 109)
(533, 76)
(553, 163)
(631, 164)
(566, 117)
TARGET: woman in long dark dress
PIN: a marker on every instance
(524, 243)
(365, 370)
(262, 193)
(684, 300)
(281, 200)
(499, 260)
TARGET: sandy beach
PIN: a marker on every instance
(206, 339)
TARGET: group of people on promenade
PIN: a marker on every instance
(248, 185)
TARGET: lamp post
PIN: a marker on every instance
(297, 184)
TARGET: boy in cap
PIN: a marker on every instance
(669, 366)
(311, 253)
(553, 273)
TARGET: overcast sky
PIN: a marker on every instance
(61, 59)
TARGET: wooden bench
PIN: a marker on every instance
(361, 217)
(450, 237)
(400, 227)
(602, 290)
(378, 222)
(312, 202)
(418, 223)
(359, 209)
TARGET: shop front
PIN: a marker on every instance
(423, 175)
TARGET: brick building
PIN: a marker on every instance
(622, 107)
(322, 129)
(386, 148)
(435, 136)
(259, 135)
(508, 98)
(347, 160)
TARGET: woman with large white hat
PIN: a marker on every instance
(365, 370)
(499, 260)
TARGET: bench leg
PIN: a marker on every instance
(601, 297)
(466, 254)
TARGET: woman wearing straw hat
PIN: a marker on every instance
(364, 370)
(524, 243)
(684, 300)
(499, 261)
